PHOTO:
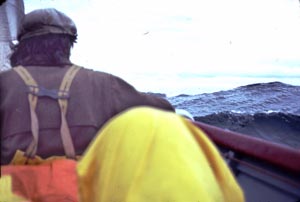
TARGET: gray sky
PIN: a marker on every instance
(190, 38)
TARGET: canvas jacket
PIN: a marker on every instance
(95, 97)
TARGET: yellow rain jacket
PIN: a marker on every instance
(148, 155)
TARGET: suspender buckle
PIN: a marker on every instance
(44, 92)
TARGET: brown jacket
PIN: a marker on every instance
(95, 97)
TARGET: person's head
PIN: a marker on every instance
(45, 38)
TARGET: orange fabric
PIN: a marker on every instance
(48, 182)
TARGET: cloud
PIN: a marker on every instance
(233, 37)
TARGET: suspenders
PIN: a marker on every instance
(62, 95)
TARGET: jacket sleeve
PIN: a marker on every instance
(125, 96)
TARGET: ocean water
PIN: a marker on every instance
(262, 107)
(250, 99)
(270, 111)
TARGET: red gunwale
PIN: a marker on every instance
(282, 156)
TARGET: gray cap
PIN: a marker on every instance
(46, 21)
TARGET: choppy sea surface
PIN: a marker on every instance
(270, 111)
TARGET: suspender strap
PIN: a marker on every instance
(63, 104)
(32, 98)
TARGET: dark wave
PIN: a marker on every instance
(254, 98)
(276, 127)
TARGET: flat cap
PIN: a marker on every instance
(46, 21)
